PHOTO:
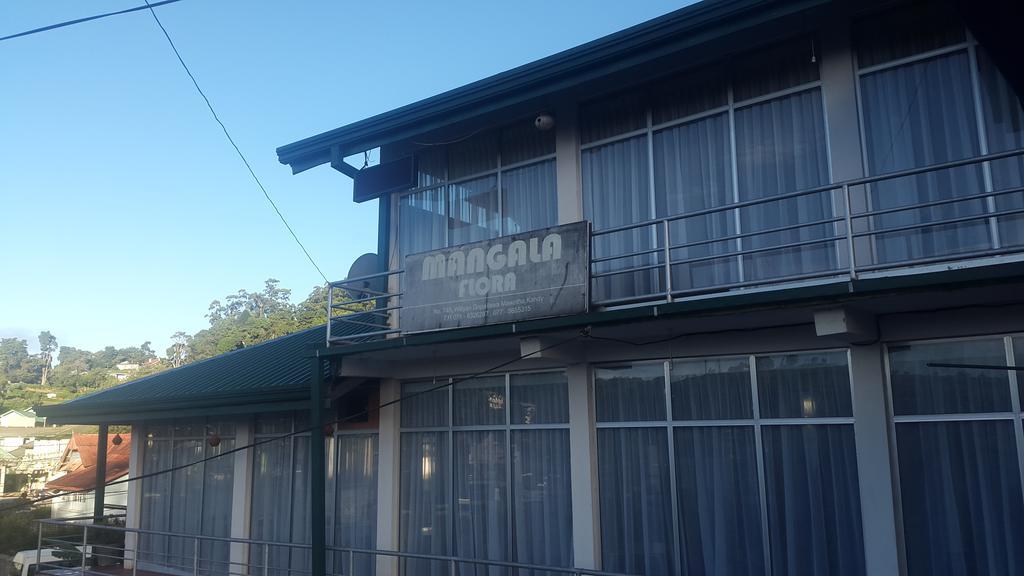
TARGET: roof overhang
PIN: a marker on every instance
(669, 34)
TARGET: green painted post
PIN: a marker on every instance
(317, 472)
(99, 508)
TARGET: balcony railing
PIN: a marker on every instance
(969, 209)
(100, 550)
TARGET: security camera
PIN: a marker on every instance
(544, 122)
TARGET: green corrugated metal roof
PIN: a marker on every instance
(275, 370)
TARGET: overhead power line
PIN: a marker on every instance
(86, 19)
(232, 141)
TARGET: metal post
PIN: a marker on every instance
(668, 261)
(330, 310)
(85, 544)
(266, 559)
(351, 563)
(98, 507)
(39, 548)
(317, 472)
(849, 232)
(195, 556)
(454, 570)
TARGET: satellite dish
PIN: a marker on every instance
(365, 265)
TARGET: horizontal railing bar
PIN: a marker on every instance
(746, 251)
(758, 233)
(347, 320)
(630, 255)
(367, 299)
(658, 266)
(146, 532)
(479, 561)
(838, 273)
(919, 225)
(651, 297)
(346, 337)
(908, 207)
(936, 259)
(376, 293)
(818, 190)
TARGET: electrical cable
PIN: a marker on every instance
(86, 19)
(232, 141)
(310, 429)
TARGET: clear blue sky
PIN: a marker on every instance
(124, 211)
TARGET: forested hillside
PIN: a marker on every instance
(58, 373)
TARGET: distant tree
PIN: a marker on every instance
(47, 346)
(178, 352)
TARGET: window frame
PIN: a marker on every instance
(756, 422)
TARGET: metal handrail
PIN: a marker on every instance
(135, 555)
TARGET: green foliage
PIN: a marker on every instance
(238, 320)
(17, 527)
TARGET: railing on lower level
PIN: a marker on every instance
(968, 209)
(68, 549)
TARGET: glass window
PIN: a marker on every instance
(480, 401)
(959, 474)
(711, 389)
(352, 498)
(473, 155)
(502, 490)
(807, 522)
(911, 29)
(541, 398)
(918, 388)
(191, 500)
(728, 150)
(804, 385)
(526, 201)
(424, 404)
(473, 211)
(630, 393)
(1004, 128)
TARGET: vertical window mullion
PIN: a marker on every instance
(509, 488)
(677, 528)
(1018, 425)
(450, 464)
(501, 226)
(734, 166)
(979, 120)
(759, 447)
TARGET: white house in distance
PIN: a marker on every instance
(20, 419)
(734, 291)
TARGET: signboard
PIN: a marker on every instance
(530, 275)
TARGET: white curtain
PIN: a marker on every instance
(353, 490)
(915, 115)
(529, 198)
(693, 172)
(542, 492)
(423, 498)
(781, 148)
(1004, 126)
(481, 521)
(473, 211)
(616, 192)
(963, 511)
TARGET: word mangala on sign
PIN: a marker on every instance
(529, 275)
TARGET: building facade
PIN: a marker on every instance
(795, 353)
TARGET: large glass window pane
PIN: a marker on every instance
(813, 500)
(529, 198)
(216, 501)
(473, 211)
(719, 501)
(479, 401)
(918, 388)
(481, 499)
(424, 404)
(421, 218)
(1018, 361)
(187, 502)
(689, 93)
(711, 389)
(810, 385)
(961, 497)
(542, 492)
(630, 393)
(522, 141)
(781, 148)
(616, 192)
(693, 172)
(916, 115)
(272, 483)
(156, 497)
(424, 519)
(539, 398)
(636, 501)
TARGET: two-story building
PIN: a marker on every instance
(734, 291)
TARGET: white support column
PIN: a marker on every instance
(586, 521)
(241, 496)
(567, 165)
(388, 451)
(133, 517)
(874, 467)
